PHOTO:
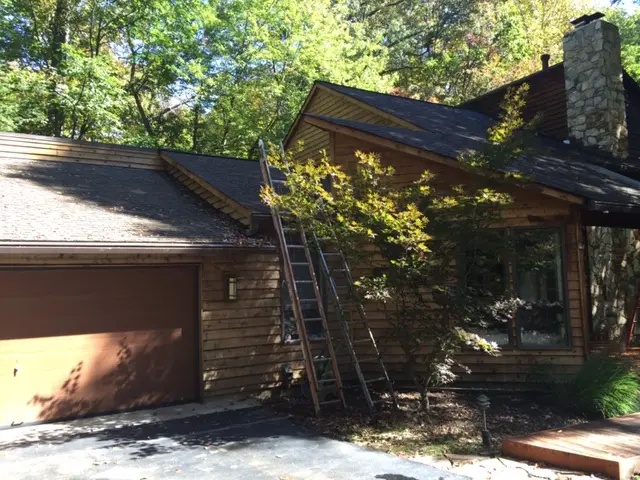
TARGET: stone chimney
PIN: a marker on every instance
(596, 114)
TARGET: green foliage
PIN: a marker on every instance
(629, 26)
(216, 76)
(208, 76)
(602, 387)
(410, 237)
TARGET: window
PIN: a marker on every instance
(305, 291)
(486, 279)
(533, 274)
(539, 284)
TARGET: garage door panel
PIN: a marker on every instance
(111, 365)
(83, 301)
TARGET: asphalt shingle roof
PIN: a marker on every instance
(551, 163)
(237, 178)
(63, 201)
(427, 115)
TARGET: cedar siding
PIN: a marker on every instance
(530, 208)
(16, 146)
(324, 101)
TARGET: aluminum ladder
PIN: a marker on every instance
(344, 285)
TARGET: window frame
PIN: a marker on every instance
(515, 337)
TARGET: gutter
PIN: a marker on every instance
(610, 207)
(122, 248)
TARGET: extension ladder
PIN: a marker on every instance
(340, 282)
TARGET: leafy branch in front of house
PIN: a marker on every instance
(423, 245)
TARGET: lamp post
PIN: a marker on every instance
(483, 404)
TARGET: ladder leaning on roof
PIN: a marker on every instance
(297, 274)
(336, 285)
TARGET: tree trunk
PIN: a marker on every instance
(143, 114)
(59, 29)
(196, 126)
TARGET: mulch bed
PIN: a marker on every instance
(452, 426)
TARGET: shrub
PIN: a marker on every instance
(602, 387)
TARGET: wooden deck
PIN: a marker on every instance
(610, 447)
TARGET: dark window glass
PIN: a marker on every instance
(539, 285)
(485, 277)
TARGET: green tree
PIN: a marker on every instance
(629, 26)
(209, 76)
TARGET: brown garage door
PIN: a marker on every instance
(75, 341)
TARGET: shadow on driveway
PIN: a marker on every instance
(240, 444)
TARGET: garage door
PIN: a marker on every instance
(75, 341)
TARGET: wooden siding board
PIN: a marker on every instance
(56, 150)
(327, 102)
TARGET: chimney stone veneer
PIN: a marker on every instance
(596, 114)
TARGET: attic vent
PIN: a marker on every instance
(586, 19)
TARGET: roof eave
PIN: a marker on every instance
(42, 248)
(433, 156)
(611, 207)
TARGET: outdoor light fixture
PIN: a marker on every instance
(231, 282)
(483, 404)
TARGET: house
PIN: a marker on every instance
(133, 277)
(584, 175)
(127, 280)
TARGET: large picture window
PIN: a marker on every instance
(531, 275)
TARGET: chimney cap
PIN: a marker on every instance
(544, 58)
(585, 19)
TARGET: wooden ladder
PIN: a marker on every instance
(340, 283)
(297, 275)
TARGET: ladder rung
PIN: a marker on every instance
(299, 264)
(368, 359)
(291, 229)
(295, 246)
(323, 359)
(312, 319)
(364, 340)
(374, 380)
(304, 281)
(327, 380)
(329, 402)
(277, 180)
(332, 254)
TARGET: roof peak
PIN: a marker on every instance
(332, 84)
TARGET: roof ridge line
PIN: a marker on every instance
(172, 150)
(455, 107)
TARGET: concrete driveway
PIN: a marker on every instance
(193, 443)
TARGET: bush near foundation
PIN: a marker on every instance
(603, 387)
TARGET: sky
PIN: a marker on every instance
(628, 5)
